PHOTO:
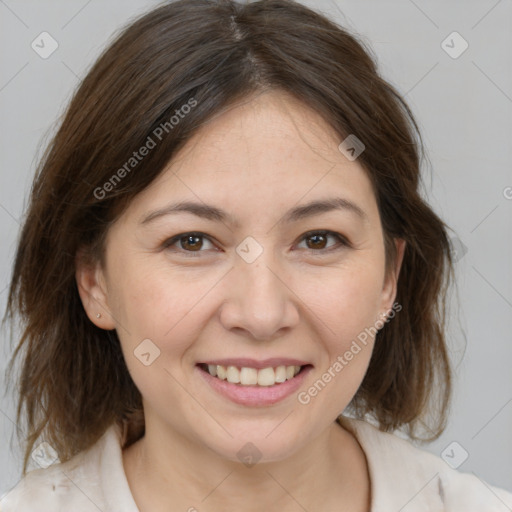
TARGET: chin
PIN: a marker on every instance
(255, 445)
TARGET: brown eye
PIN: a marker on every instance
(317, 241)
(191, 242)
(187, 243)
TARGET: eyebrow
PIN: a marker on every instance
(213, 213)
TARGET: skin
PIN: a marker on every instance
(300, 298)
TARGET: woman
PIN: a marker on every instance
(225, 250)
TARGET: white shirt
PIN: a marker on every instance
(403, 479)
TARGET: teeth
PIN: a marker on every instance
(251, 376)
(248, 376)
(266, 377)
(221, 372)
(233, 375)
(280, 373)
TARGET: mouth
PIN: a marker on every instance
(250, 376)
(254, 383)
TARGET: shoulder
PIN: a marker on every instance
(408, 478)
(91, 481)
(50, 489)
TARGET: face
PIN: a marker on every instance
(260, 284)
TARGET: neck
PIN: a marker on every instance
(330, 473)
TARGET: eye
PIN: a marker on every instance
(192, 243)
(318, 240)
(189, 243)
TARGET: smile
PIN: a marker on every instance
(251, 386)
(247, 376)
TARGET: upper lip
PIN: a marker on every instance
(242, 362)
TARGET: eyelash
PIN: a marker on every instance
(343, 242)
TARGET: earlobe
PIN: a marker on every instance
(390, 287)
(93, 293)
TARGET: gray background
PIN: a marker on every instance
(464, 106)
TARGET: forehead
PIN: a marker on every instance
(266, 128)
(268, 150)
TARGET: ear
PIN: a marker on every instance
(390, 283)
(92, 288)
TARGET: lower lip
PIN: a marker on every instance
(255, 395)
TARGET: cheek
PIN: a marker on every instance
(158, 321)
(160, 304)
(346, 310)
(348, 299)
(348, 305)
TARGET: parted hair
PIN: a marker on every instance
(71, 379)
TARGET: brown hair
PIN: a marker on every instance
(74, 382)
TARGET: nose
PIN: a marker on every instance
(259, 301)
